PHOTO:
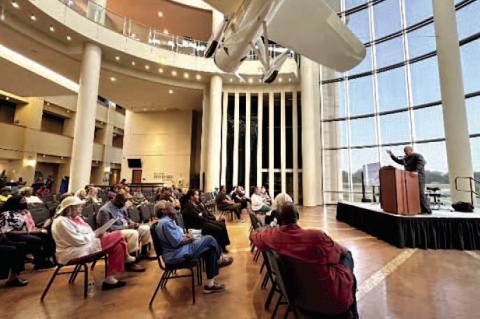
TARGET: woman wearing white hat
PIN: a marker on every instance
(74, 238)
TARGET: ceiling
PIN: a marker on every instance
(176, 18)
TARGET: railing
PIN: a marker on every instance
(471, 184)
(146, 34)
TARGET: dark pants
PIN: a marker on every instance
(217, 230)
(34, 244)
(12, 256)
(347, 260)
(236, 209)
(207, 248)
(424, 201)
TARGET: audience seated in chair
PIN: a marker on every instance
(260, 205)
(226, 203)
(266, 196)
(330, 287)
(238, 195)
(196, 216)
(5, 193)
(74, 239)
(12, 256)
(179, 247)
(92, 195)
(27, 192)
(17, 224)
(133, 233)
(272, 218)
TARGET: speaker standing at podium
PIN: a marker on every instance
(414, 162)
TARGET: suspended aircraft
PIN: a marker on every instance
(308, 27)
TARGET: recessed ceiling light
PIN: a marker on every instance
(290, 80)
(280, 80)
(174, 73)
(160, 70)
(250, 80)
(15, 4)
(33, 18)
(133, 63)
(186, 75)
(144, 109)
(117, 58)
(69, 38)
(199, 77)
(165, 31)
(113, 79)
(231, 80)
(147, 67)
(52, 29)
(7, 98)
(160, 14)
(170, 91)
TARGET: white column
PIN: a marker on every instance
(453, 100)
(205, 117)
(224, 138)
(271, 144)
(212, 173)
(318, 133)
(247, 143)
(236, 132)
(217, 19)
(309, 175)
(260, 140)
(295, 146)
(82, 146)
(283, 141)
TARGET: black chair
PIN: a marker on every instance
(80, 265)
(134, 214)
(40, 213)
(169, 270)
(89, 215)
(145, 213)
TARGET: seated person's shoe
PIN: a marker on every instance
(225, 261)
(216, 288)
(17, 282)
(134, 268)
(106, 286)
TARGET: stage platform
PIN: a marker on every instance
(442, 230)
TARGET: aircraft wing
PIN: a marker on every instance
(228, 8)
(312, 29)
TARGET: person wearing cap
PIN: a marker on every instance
(179, 247)
(5, 193)
(137, 236)
(74, 239)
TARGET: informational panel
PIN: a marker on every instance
(371, 174)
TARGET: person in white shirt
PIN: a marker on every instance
(75, 239)
(27, 192)
(258, 203)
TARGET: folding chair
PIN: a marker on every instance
(169, 270)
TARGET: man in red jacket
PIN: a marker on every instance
(321, 270)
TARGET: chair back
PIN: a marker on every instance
(40, 213)
(145, 213)
(157, 244)
(89, 215)
(254, 220)
(134, 214)
(281, 278)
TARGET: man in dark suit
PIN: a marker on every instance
(414, 162)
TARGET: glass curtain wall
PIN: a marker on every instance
(391, 99)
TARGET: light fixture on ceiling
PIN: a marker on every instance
(52, 29)
(7, 98)
(33, 18)
(144, 108)
(290, 80)
(15, 4)
(147, 67)
(165, 31)
(199, 77)
(113, 79)
(250, 80)
(280, 80)
(133, 63)
(174, 73)
(160, 70)
(69, 38)
(160, 14)
(170, 91)
(117, 58)
(186, 75)
(231, 80)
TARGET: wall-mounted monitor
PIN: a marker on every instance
(134, 163)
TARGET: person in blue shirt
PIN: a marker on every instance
(180, 247)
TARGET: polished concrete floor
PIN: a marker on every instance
(393, 283)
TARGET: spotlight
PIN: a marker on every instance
(69, 38)
(199, 77)
(160, 70)
(147, 67)
(186, 75)
(160, 14)
(52, 29)
(133, 63)
(113, 79)
(170, 91)
(15, 4)
(33, 18)
(174, 73)
(117, 58)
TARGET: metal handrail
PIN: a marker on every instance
(471, 183)
(149, 35)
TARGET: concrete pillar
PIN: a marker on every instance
(295, 147)
(206, 100)
(236, 133)
(260, 140)
(271, 145)
(309, 143)
(212, 174)
(223, 178)
(247, 142)
(82, 147)
(453, 99)
(283, 144)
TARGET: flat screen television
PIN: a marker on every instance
(134, 163)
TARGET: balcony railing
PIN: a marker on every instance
(149, 35)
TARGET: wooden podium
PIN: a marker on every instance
(399, 191)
